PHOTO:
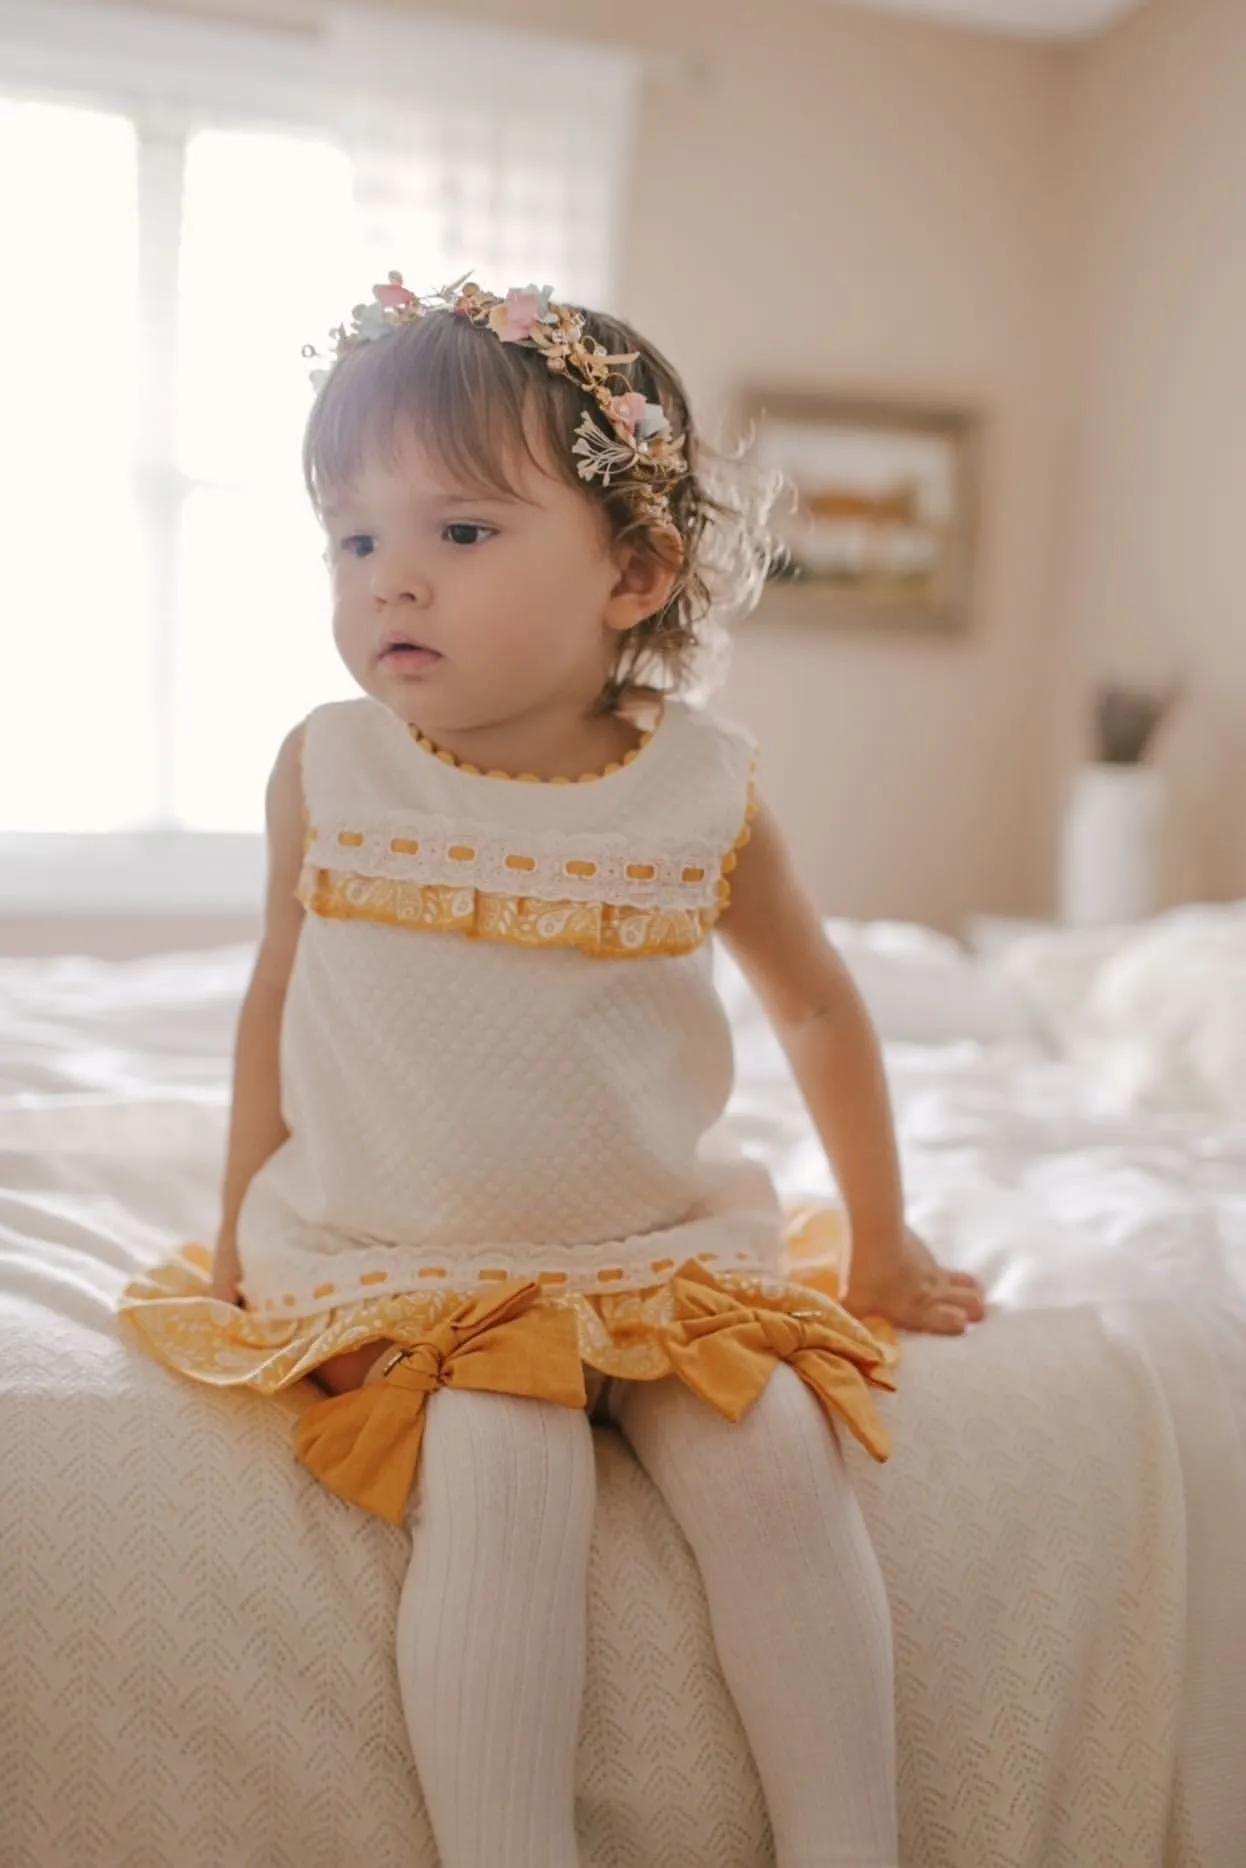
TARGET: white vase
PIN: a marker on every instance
(1112, 847)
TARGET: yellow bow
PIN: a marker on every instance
(365, 1446)
(725, 1347)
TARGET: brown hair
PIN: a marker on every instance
(481, 404)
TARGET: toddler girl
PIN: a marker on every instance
(476, 1176)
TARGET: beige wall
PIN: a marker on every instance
(850, 202)
(1156, 518)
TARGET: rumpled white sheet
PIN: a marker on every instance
(1044, 1182)
(195, 1638)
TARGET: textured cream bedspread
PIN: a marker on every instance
(195, 1639)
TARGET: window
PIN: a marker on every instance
(175, 241)
(267, 238)
(74, 698)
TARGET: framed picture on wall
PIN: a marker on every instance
(879, 515)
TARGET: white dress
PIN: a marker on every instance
(503, 1056)
(504, 1070)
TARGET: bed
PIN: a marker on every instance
(196, 1638)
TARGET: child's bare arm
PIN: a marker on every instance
(776, 934)
(256, 1129)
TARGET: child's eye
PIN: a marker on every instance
(464, 532)
(359, 545)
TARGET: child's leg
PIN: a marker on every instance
(797, 1605)
(491, 1627)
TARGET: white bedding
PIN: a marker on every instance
(195, 1637)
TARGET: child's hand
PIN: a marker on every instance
(912, 1290)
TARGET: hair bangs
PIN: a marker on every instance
(472, 406)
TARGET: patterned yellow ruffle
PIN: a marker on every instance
(722, 1336)
(605, 930)
(723, 1342)
(620, 1333)
(597, 928)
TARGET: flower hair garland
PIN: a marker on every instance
(627, 440)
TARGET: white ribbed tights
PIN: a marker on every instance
(491, 1628)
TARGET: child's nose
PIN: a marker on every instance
(396, 578)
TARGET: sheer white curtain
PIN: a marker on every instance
(196, 202)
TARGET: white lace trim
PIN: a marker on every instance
(286, 1279)
(436, 852)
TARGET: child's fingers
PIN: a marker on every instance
(944, 1319)
(954, 1303)
(966, 1291)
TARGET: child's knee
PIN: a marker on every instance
(748, 1470)
(491, 1450)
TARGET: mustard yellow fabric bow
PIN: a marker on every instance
(365, 1446)
(725, 1347)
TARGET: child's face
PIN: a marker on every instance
(462, 610)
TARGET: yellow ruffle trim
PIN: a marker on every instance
(721, 1335)
(597, 928)
(621, 1332)
(604, 930)
(720, 1340)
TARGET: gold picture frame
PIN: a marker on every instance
(879, 517)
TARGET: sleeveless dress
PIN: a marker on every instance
(504, 1075)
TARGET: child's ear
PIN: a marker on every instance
(646, 578)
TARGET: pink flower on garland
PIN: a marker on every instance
(524, 307)
(628, 410)
(394, 295)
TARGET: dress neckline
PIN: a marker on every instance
(612, 770)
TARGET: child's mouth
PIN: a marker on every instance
(409, 657)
